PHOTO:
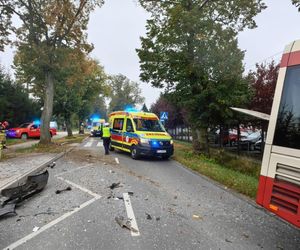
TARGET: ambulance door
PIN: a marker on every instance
(117, 132)
(128, 134)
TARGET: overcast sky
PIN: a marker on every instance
(115, 29)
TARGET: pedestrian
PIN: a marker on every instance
(106, 137)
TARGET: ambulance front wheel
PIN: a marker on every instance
(134, 153)
(110, 147)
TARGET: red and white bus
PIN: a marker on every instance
(279, 183)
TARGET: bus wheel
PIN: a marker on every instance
(134, 153)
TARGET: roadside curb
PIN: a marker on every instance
(22, 179)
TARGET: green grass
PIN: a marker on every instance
(11, 141)
(238, 173)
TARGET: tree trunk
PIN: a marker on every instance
(203, 140)
(47, 109)
(69, 126)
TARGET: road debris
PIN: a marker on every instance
(111, 171)
(52, 165)
(117, 160)
(33, 185)
(35, 229)
(196, 217)
(63, 190)
(228, 240)
(157, 218)
(148, 216)
(125, 224)
(8, 209)
(115, 185)
(175, 197)
(130, 193)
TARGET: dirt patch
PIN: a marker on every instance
(82, 155)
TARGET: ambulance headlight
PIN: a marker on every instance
(144, 140)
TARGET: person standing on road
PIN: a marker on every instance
(106, 137)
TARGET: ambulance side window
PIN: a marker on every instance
(118, 124)
(129, 126)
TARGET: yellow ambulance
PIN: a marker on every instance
(140, 134)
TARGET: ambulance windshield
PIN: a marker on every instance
(151, 125)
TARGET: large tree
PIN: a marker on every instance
(124, 92)
(80, 82)
(191, 50)
(47, 27)
(263, 82)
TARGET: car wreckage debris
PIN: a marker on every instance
(125, 224)
(148, 216)
(115, 185)
(52, 165)
(63, 190)
(8, 209)
(34, 184)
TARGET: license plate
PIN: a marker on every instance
(161, 151)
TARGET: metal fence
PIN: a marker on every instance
(181, 133)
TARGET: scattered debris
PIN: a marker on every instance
(245, 235)
(175, 197)
(18, 220)
(33, 185)
(130, 193)
(228, 240)
(89, 221)
(8, 209)
(117, 160)
(111, 171)
(115, 185)
(197, 217)
(62, 190)
(148, 216)
(125, 223)
(120, 198)
(35, 229)
(157, 218)
(109, 197)
(52, 165)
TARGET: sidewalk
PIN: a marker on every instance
(13, 172)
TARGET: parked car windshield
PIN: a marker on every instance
(143, 124)
(24, 125)
(254, 135)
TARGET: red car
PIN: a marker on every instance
(27, 130)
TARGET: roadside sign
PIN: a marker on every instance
(164, 116)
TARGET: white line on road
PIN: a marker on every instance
(88, 144)
(99, 144)
(51, 224)
(130, 214)
(79, 187)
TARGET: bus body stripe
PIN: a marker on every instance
(290, 59)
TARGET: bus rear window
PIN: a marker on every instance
(287, 132)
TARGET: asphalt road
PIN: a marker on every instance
(173, 208)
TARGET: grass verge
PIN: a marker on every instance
(237, 173)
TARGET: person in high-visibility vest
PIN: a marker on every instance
(106, 137)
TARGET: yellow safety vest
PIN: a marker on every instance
(106, 132)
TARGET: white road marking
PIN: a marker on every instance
(51, 224)
(79, 187)
(130, 214)
(99, 144)
(117, 160)
(88, 144)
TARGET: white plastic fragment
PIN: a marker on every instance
(35, 229)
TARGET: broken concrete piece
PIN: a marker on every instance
(35, 229)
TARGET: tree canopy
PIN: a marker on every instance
(191, 50)
(124, 92)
